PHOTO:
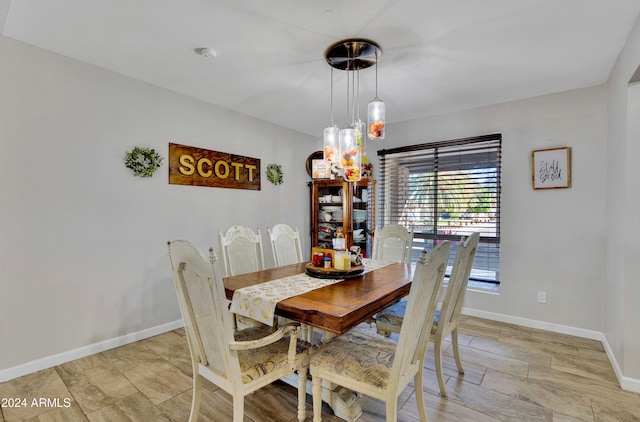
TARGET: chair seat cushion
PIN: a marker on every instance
(392, 316)
(255, 363)
(359, 355)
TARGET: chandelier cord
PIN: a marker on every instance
(376, 73)
(348, 95)
(353, 95)
(358, 98)
(332, 123)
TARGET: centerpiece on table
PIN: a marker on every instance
(335, 263)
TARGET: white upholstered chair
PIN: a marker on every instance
(237, 362)
(446, 319)
(285, 245)
(378, 366)
(241, 250)
(393, 243)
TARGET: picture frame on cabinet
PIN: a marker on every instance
(321, 169)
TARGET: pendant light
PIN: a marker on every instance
(350, 157)
(351, 55)
(331, 135)
(376, 113)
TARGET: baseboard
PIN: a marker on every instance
(532, 323)
(68, 356)
(630, 384)
(626, 383)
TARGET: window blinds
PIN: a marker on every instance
(445, 190)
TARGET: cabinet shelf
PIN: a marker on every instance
(362, 210)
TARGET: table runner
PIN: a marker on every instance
(259, 301)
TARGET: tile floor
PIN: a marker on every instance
(512, 373)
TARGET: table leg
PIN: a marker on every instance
(327, 336)
(344, 403)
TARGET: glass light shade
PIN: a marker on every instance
(358, 125)
(350, 155)
(375, 119)
(331, 144)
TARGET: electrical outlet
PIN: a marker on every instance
(542, 297)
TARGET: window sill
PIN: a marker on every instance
(482, 287)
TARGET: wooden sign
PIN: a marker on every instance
(202, 167)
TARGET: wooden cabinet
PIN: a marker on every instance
(348, 206)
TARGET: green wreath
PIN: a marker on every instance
(274, 173)
(143, 161)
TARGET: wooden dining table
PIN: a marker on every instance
(335, 309)
(339, 307)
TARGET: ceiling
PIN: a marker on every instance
(438, 56)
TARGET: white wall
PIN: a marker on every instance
(622, 293)
(631, 315)
(83, 241)
(552, 240)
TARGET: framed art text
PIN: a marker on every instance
(551, 168)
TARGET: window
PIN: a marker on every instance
(444, 190)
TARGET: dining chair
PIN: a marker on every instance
(446, 318)
(241, 250)
(393, 243)
(286, 249)
(377, 366)
(241, 253)
(237, 362)
(285, 245)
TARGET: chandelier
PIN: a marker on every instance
(346, 146)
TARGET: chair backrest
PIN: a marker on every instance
(241, 250)
(201, 296)
(285, 245)
(421, 308)
(457, 286)
(393, 243)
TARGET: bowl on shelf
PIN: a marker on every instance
(331, 208)
(325, 216)
(359, 215)
(324, 236)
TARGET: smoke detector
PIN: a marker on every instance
(206, 52)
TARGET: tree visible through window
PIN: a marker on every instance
(445, 190)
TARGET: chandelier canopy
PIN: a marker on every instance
(353, 54)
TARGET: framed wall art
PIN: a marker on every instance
(551, 168)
